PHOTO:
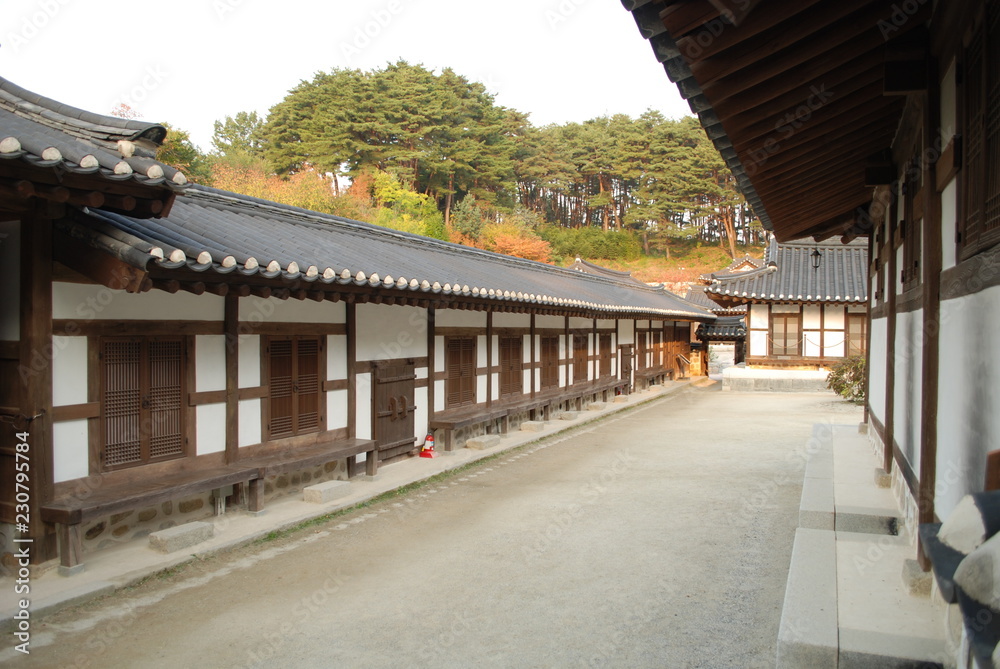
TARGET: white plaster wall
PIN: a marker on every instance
(85, 302)
(857, 308)
(504, 320)
(833, 318)
(10, 279)
(439, 397)
(273, 310)
(968, 401)
(758, 343)
(550, 322)
(811, 317)
(69, 370)
(336, 356)
(626, 334)
(605, 323)
(899, 263)
(364, 401)
(811, 344)
(211, 428)
(909, 381)
(439, 361)
(581, 323)
(420, 416)
(249, 361)
(388, 332)
(336, 409)
(833, 344)
(210, 362)
(70, 458)
(454, 318)
(249, 423)
(495, 352)
(949, 221)
(759, 316)
(481, 351)
(481, 388)
(876, 366)
(495, 378)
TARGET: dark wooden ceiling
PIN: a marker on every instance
(792, 94)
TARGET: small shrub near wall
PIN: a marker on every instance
(847, 379)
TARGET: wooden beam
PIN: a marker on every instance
(734, 11)
(352, 377)
(35, 307)
(231, 328)
(684, 17)
(717, 37)
(99, 267)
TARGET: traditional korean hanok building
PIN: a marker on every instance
(808, 304)
(730, 328)
(880, 120)
(173, 348)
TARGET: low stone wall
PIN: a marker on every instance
(774, 380)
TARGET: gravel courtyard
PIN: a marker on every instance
(659, 537)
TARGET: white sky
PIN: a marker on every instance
(191, 62)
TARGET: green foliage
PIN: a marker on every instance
(592, 243)
(847, 378)
(179, 152)
(238, 139)
(468, 218)
(402, 209)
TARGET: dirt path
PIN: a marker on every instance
(657, 538)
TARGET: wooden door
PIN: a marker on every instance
(393, 409)
(626, 367)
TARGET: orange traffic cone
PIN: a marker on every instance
(428, 450)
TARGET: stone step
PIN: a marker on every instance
(569, 415)
(621, 399)
(483, 442)
(807, 635)
(533, 425)
(181, 536)
(321, 493)
(597, 406)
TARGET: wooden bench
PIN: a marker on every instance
(292, 459)
(69, 512)
(454, 419)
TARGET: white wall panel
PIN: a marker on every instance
(211, 428)
(70, 455)
(272, 310)
(69, 370)
(249, 361)
(85, 302)
(210, 362)
(389, 332)
(250, 418)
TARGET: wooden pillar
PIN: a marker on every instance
(35, 372)
(231, 331)
(431, 363)
(534, 356)
(489, 358)
(872, 253)
(891, 277)
(568, 350)
(930, 353)
(352, 373)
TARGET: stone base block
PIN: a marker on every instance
(916, 580)
(597, 406)
(621, 399)
(655, 387)
(72, 571)
(182, 536)
(321, 493)
(533, 425)
(483, 442)
(569, 415)
(882, 479)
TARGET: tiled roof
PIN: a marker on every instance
(723, 329)
(788, 276)
(580, 265)
(696, 295)
(236, 236)
(737, 266)
(48, 134)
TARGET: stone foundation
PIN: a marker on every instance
(139, 524)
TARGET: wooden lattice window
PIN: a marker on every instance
(857, 325)
(460, 371)
(295, 396)
(142, 400)
(911, 225)
(550, 362)
(580, 359)
(604, 343)
(786, 334)
(980, 118)
(511, 357)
